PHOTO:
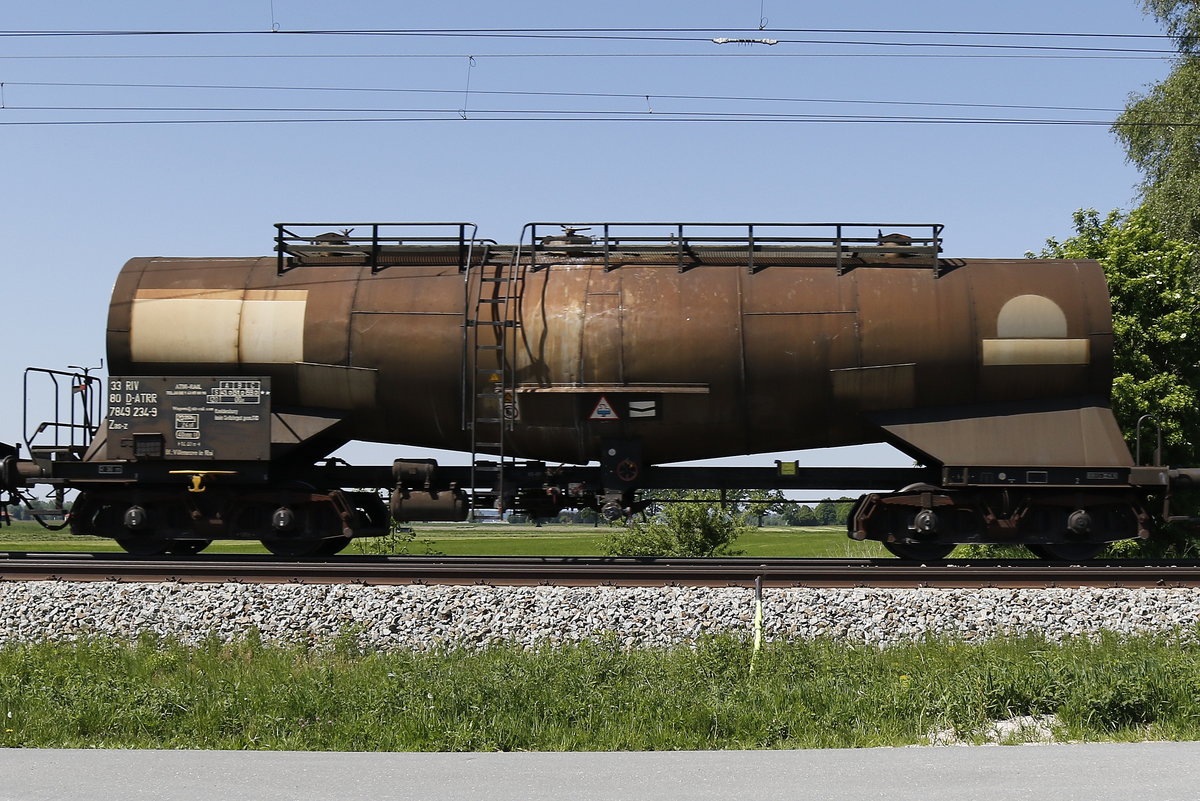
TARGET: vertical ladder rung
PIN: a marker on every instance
(488, 420)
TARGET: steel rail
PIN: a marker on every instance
(578, 571)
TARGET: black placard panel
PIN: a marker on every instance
(197, 417)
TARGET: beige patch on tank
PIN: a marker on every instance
(1035, 351)
(1031, 317)
(1030, 330)
(226, 326)
(272, 331)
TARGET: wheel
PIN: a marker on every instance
(291, 548)
(1067, 551)
(187, 547)
(96, 518)
(295, 548)
(144, 545)
(920, 551)
(332, 547)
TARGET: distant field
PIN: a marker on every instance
(488, 539)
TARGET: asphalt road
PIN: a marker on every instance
(1095, 772)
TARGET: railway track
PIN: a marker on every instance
(595, 571)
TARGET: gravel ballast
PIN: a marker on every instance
(426, 617)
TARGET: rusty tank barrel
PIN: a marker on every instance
(710, 350)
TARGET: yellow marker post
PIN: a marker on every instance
(758, 620)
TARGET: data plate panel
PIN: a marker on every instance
(189, 417)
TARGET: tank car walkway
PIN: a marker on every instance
(1096, 772)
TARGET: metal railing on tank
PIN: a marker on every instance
(757, 245)
(76, 399)
(375, 245)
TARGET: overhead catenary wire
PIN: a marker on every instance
(612, 30)
(459, 56)
(534, 93)
(453, 116)
(565, 114)
(625, 35)
(534, 114)
(461, 111)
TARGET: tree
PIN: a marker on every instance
(760, 503)
(799, 514)
(826, 513)
(833, 513)
(1155, 302)
(1158, 128)
(1182, 20)
(682, 528)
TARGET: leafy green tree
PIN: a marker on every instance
(1181, 19)
(799, 514)
(833, 513)
(760, 503)
(1158, 127)
(706, 528)
(1155, 302)
(826, 513)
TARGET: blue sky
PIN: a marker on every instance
(80, 200)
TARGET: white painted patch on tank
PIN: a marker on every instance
(218, 327)
(272, 331)
(1032, 329)
(1031, 317)
(185, 330)
(1035, 351)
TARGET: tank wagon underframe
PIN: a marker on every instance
(629, 346)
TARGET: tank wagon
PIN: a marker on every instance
(623, 346)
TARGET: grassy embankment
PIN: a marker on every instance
(589, 697)
(488, 539)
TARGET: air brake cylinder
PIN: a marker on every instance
(410, 505)
(414, 497)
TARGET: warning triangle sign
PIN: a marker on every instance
(603, 411)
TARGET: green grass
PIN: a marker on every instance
(487, 540)
(29, 536)
(583, 540)
(811, 694)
